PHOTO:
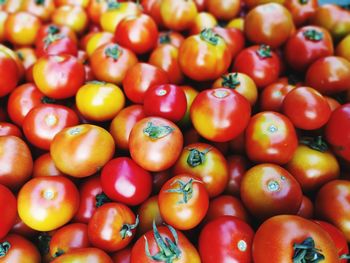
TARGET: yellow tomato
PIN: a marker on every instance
(74, 17)
(96, 40)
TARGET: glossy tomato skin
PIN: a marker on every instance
(152, 8)
(260, 63)
(270, 137)
(301, 11)
(342, 48)
(170, 37)
(122, 256)
(55, 198)
(202, 21)
(268, 190)
(16, 162)
(204, 56)
(233, 37)
(190, 93)
(206, 162)
(82, 150)
(43, 122)
(9, 217)
(289, 230)
(226, 238)
(307, 45)
(224, 9)
(10, 73)
(167, 101)
(336, 131)
(56, 44)
(70, 71)
(84, 255)
(118, 221)
(148, 212)
(220, 114)
(96, 40)
(73, 16)
(306, 209)
(237, 166)
(44, 166)
(155, 143)
(7, 128)
(126, 182)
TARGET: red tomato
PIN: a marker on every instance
(233, 37)
(122, 256)
(167, 101)
(191, 94)
(51, 28)
(9, 72)
(306, 208)
(237, 166)
(126, 182)
(170, 37)
(44, 166)
(7, 128)
(95, 9)
(56, 44)
(84, 255)
(9, 217)
(224, 9)
(73, 16)
(152, 8)
(301, 11)
(226, 239)
(333, 103)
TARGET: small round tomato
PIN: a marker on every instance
(204, 56)
(170, 37)
(8, 219)
(82, 255)
(233, 37)
(226, 238)
(9, 71)
(306, 209)
(270, 24)
(43, 122)
(58, 76)
(47, 203)
(44, 166)
(155, 143)
(237, 166)
(99, 101)
(270, 137)
(148, 212)
(167, 101)
(152, 8)
(118, 221)
(52, 29)
(260, 63)
(183, 201)
(220, 114)
(56, 44)
(7, 128)
(207, 163)
(202, 21)
(342, 49)
(164, 244)
(268, 190)
(42, 9)
(301, 10)
(224, 9)
(16, 163)
(124, 181)
(73, 16)
(97, 40)
(82, 150)
(329, 75)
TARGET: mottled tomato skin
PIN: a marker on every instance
(270, 137)
(83, 255)
(226, 238)
(124, 181)
(9, 216)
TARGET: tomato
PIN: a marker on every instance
(28, 58)
(329, 75)
(178, 15)
(58, 76)
(224, 9)
(155, 143)
(237, 166)
(43, 122)
(270, 137)
(294, 239)
(336, 131)
(9, 216)
(82, 150)
(73, 16)
(202, 21)
(56, 44)
(22, 229)
(69, 238)
(190, 94)
(152, 8)
(342, 48)
(97, 40)
(95, 9)
(139, 78)
(166, 57)
(122, 256)
(207, 163)
(3, 17)
(226, 238)
(333, 103)
(301, 11)
(115, 219)
(272, 96)
(332, 202)
(183, 201)
(137, 33)
(268, 190)
(148, 212)
(151, 247)
(84, 255)
(7, 128)
(21, 28)
(16, 163)
(170, 37)
(44, 166)
(307, 45)
(159, 179)
(260, 63)
(41, 9)
(52, 29)
(270, 24)
(9, 72)
(125, 181)
(15, 248)
(306, 208)
(110, 62)
(47, 203)
(204, 56)
(226, 205)
(233, 37)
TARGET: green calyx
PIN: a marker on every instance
(209, 36)
(2, 2)
(186, 189)
(264, 51)
(168, 250)
(306, 252)
(58, 253)
(97, 82)
(4, 248)
(20, 55)
(101, 199)
(313, 35)
(53, 30)
(164, 39)
(196, 157)
(40, 2)
(230, 80)
(47, 100)
(157, 132)
(317, 143)
(303, 2)
(126, 230)
(113, 52)
(44, 243)
(50, 38)
(113, 4)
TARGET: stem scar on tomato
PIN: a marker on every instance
(186, 189)
(157, 132)
(306, 252)
(209, 36)
(313, 35)
(317, 143)
(264, 51)
(230, 80)
(4, 248)
(113, 52)
(196, 157)
(126, 230)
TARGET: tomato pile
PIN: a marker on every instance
(171, 131)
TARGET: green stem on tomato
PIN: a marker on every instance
(306, 252)
(40, 2)
(313, 35)
(4, 248)
(209, 36)
(157, 132)
(230, 80)
(317, 143)
(113, 4)
(264, 51)
(126, 230)
(113, 52)
(186, 189)
(165, 38)
(101, 199)
(196, 157)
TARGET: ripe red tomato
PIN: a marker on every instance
(152, 8)
(122, 256)
(220, 114)
(233, 37)
(237, 166)
(167, 101)
(73, 16)
(9, 72)
(44, 166)
(7, 128)
(226, 238)
(170, 37)
(56, 44)
(9, 217)
(115, 219)
(126, 182)
(306, 209)
(83, 255)
(301, 11)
